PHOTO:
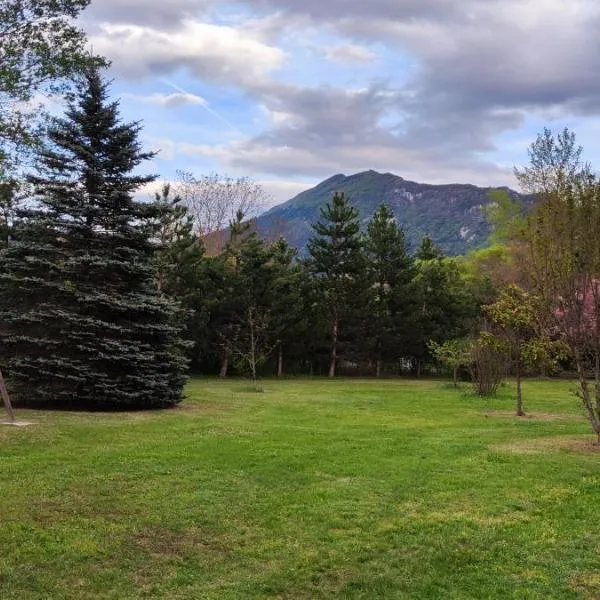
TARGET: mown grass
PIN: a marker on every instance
(314, 489)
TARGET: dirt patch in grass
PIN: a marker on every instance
(587, 584)
(535, 416)
(196, 407)
(160, 541)
(540, 445)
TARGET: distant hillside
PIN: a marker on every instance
(450, 214)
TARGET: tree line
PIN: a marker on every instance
(107, 300)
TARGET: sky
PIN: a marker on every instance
(290, 92)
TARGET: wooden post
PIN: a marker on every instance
(6, 399)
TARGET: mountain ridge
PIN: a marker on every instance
(450, 213)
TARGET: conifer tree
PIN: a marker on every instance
(443, 305)
(428, 250)
(337, 261)
(289, 302)
(81, 320)
(242, 277)
(181, 268)
(391, 273)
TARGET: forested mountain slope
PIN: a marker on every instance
(451, 214)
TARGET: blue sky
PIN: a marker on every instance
(290, 92)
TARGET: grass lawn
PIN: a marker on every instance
(314, 489)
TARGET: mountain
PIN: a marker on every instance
(450, 214)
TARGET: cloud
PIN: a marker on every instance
(341, 10)
(349, 54)
(165, 147)
(175, 100)
(216, 53)
(281, 191)
(164, 15)
(478, 58)
(312, 116)
(448, 81)
(414, 164)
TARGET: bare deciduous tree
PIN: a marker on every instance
(213, 200)
(250, 344)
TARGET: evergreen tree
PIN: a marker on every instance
(242, 277)
(337, 261)
(391, 273)
(443, 309)
(82, 321)
(290, 308)
(8, 205)
(180, 264)
(428, 250)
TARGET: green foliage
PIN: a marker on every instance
(291, 306)
(428, 250)
(82, 323)
(506, 215)
(444, 307)
(391, 272)
(179, 260)
(453, 354)
(562, 241)
(8, 205)
(180, 267)
(517, 333)
(42, 50)
(515, 312)
(338, 264)
(488, 363)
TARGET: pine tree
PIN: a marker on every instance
(428, 250)
(391, 272)
(8, 205)
(337, 261)
(289, 303)
(242, 277)
(181, 267)
(82, 321)
(443, 306)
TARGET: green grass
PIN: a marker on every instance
(314, 489)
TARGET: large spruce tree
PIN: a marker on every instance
(81, 320)
(337, 262)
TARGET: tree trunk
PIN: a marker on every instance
(280, 362)
(6, 399)
(585, 396)
(597, 390)
(334, 342)
(520, 411)
(224, 365)
(455, 376)
(418, 368)
(378, 367)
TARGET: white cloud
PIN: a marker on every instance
(281, 191)
(319, 162)
(217, 53)
(164, 146)
(174, 100)
(350, 54)
(165, 15)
